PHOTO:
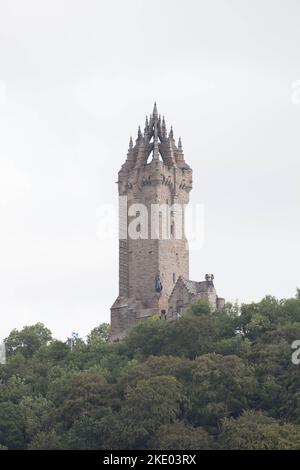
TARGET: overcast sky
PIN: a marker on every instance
(76, 79)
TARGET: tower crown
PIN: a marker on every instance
(157, 143)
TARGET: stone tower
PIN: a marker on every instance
(154, 185)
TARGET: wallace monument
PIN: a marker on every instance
(154, 185)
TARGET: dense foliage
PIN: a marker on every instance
(206, 381)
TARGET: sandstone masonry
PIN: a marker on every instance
(154, 271)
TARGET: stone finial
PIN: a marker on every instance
(180, 144)
(146, 125)
(171, 133)
(130, 143)
(163, 128)
(155, 112)
(155, 143)
(139, 133)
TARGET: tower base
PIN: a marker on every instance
(125, 313)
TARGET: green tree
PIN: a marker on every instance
(146, 338)
(148, 405)
(179, 367)
(254, 431)
(14, 389)
(50, 440)
(53, 353)
(28, 340)
(196, 382)
(85, 433)
(199, 308)
(12, 426)
(37, 412)
(180, 436)
(221, 386)
(83, 394)
(101, 332)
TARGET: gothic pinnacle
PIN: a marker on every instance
(163, 128)
(171, 133)
(179, 144)
(139, 133)
(130, 143)
(155, 113)
(155, 140)
(146, 125)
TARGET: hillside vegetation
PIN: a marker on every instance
(206, 381)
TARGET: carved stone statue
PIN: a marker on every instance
(158, 284)
(209, 278)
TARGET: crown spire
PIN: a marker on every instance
(180, 144)
(163, 128)
(139, 135)
(130, 143)
(155, 112)
(146, 125)
(155, 142)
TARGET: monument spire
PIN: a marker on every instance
(180, 144)
(155, 112)
(155, 134)
(130, 143)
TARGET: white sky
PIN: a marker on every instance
(76, 79)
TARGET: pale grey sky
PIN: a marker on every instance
(76, 79)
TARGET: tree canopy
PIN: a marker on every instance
(209, 380)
